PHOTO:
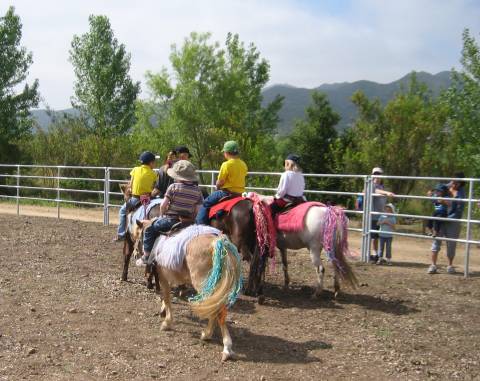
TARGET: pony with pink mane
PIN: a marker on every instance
(316, 227)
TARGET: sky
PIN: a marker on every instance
(307, 42)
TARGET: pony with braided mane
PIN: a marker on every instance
(212, 266)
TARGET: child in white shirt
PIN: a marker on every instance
(291, 186)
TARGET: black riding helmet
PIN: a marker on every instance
(147, 157)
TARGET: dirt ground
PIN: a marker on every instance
(65, 314)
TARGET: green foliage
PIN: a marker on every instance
(463, 103)
(69, 141)
(404, 137)
(15, 105)
(104, 91)
(313, 139)
(215, 96)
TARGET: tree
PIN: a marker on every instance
(463, 102)
(405, 137)
(104, 91)
(216, 96)
(312, 138)
(15, 119)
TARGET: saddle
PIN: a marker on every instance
(292, 204)
(180, 225)
(225, 205)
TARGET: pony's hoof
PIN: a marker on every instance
(336, 294)
(163, 311)
(261, 299)
(165, 326)
(228, 356)
(205, 337)
(149, 286)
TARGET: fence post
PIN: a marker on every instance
(469, 227)
(18, 190)
(364, 216)
(58, 192)
(369, 196)
(212, 182)
(106, 197)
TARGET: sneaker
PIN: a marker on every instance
(450, 269)
(380, 261)
(373, 258)
(142, 261)
(432, 269)
(389, 262)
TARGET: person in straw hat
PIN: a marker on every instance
(181, 201)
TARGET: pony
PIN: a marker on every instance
(324, 227)
(133, 243)
(243, 225)
(212, 266)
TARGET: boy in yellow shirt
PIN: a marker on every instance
(142, 181)
(231, 180)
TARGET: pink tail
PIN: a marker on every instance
(335, 243)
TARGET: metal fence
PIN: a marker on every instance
(107, 197)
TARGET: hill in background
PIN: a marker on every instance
(297, 99)
(339, 94)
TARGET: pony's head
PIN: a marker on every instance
(126, 189)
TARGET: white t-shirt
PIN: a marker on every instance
(291, 183)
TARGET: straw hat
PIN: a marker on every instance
(183, 170)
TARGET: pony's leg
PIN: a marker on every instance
(166, 303)
(149, 273)
(336, 285)
(227, 353)
(317, 262)
(157, 281)
(208, 332)
(286, 278)
(127, 253)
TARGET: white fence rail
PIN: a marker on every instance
(105, 194)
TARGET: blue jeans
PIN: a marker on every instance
(122, 225)
(214, 198)
(160, 225)
(385, 245)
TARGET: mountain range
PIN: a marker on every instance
(297, 99)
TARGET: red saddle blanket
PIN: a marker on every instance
(294, 219)
(224, 206)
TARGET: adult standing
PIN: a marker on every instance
(183, 153)
(164, 180)
(450, 229)
(379, 200)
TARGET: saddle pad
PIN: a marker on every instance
(169, 252)
(141, 213)
(293, 220)
(224, 206)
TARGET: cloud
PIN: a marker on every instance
(307, 43)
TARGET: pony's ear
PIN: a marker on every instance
(139, 223)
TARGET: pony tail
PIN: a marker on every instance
(336, 244)
(223, 284)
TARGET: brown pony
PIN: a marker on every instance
(240, 226)
(213, 267)
(133, 243)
